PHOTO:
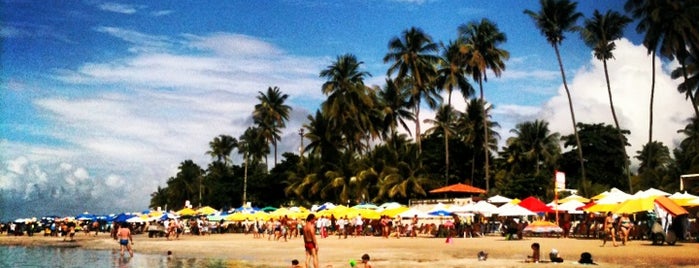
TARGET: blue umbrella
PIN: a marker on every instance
(122, 217)
(440, 212)
(85, 217)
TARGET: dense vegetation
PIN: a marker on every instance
(355, 151)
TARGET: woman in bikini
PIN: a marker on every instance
(609, 229)
(625, 227)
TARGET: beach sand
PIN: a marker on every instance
(238, 250)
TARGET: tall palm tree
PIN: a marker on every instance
(451, 74)
(482, 53)
(393, 100)
(413, 56)
(271, 115)
(554, 19)
(222, 147)
(444, 123)
(536, 142)
(470, 129)
(253, 147)
(690, 72)
(599, 33)
(669, 28)
(349, 101)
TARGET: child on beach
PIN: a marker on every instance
(295, 264)
(365, 261)
(536, 254)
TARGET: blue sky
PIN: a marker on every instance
(101, 100)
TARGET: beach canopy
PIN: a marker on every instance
(186, 212)
(85, 217)
(535, 205)
(393, 212)
(458, 188)
(390, 205)
(410, 213)
(498, 199)
(685, 199)
(542, 227)
(268, 209)
(571, 207)
(206, 210)
(366, 206)
(484, 207)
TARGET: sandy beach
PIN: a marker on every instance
(239, 250)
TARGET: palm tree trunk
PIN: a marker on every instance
(485, 139)
(245, 180)
(618, 128)
(417, 131)
(572, 116)
(275, 152)
(650, 120)
(446, 150)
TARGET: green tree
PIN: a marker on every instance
(413, 56)
(252, 145)
(536, 143)
(599, 33)
(271, 115)
(652, 170)
(482, 53)
(554, 19)
(222, 147)
(444, 124)
(394, 107)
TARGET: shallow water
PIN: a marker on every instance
(17, 256)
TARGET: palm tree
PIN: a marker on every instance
(413, 56)
(349, 101)
(222, 147)
(451, 74)
(271, 115)
(253, 147)
(186, 183)
(554, 19)
(482, 53)
(393, 100)
(690, 72)
(536, 142)
(599, 33)
(444, 123)
(470, 129)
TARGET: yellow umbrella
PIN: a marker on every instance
(186, 212)
(601, 207)
(393, 212)
(206, 210)
(574, 197)
(280, 212)
(635, 205)
(515, 201)
(366, 213)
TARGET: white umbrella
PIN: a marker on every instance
(412, 212)
(484, 207)
(655, 192)
(513, 210)
(499, 199)
(571, 207)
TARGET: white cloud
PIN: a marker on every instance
(630, 75)
(118, 8)
(160, 13)
(17, 166)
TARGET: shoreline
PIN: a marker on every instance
(239, 250)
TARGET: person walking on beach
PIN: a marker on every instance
(309, 240)
(124, 236)
(609, 229)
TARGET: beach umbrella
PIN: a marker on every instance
(440, 213)
(186, 212)
(411, 212)
(206, 210)
(535, 205)
(541, 227)
(648, 204)
(684, 199)
(510, 209)
(571, 206)
(268, 209)
(122, 217)
(484, 207)
(85, 217)
(393, 212)
(498, 199)
(574, 197)
(366, 206)
(390, 205)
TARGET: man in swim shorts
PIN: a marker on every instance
(124, 237)
(309, 240)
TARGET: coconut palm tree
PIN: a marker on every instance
(444, 123)
(451, 74)
(392, 99)
(536, 142)
(690, 71)
(350, 102)
(599, 33)
(554, 19)
(222, 147)
(412, 56)
(470, 131)
(252, 145)
(271, 115)
(481, 41)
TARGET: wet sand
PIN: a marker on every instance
(238, 250)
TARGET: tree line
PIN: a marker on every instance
(357, 149)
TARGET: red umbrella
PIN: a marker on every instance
(458, 188)
(535, 205)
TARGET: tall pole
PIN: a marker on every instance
(301, 132)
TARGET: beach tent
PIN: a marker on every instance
(498, 199)
(510, 209)
(390, 205)
(535, 205)
(268, 209)
(122, 217)
(393, 212)
(366, 206)
(458, 188)
(411, 212)
(484, 208)
(85, 217)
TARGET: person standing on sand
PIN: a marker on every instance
(609, 229)
(124, 236)
(309, 240)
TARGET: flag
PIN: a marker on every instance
(560, 181)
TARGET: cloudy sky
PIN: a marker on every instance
(101, 100)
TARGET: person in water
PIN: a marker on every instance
(125, 239)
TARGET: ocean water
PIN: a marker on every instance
(17, 256)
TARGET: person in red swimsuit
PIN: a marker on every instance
(309, 240)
